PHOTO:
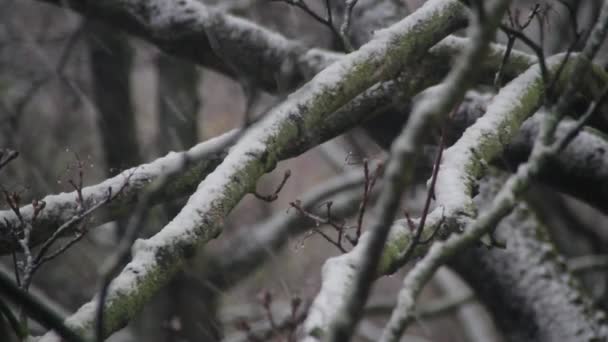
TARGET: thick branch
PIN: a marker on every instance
(251, 248)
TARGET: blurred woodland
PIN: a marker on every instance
(223, 171)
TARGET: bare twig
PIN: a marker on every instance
(33, 263)
(370, 181)
(340, 227)
(7, 313)
(273, 197)
(320, 221)
(538, 50)
(582, 121)
(570, 7)
(427, 204)
(129, 184)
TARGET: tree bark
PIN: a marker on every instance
(527, 286)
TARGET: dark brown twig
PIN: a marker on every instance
(370, 181)
(514, 21)
(273, 197)
(327, 21)
(322, 221)
(284, 328)
(415, 240)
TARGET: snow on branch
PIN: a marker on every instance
(462, 164)
(286, 131)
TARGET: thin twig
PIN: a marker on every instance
(320, 221)
(427, 204)
(582, 121)
(511, 41)
(6, 312)
(538, 50)
(273, 197)
(370, 181)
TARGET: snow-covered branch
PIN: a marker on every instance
(580, 169)
(286, 131)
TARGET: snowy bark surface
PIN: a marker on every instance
(526, 286)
